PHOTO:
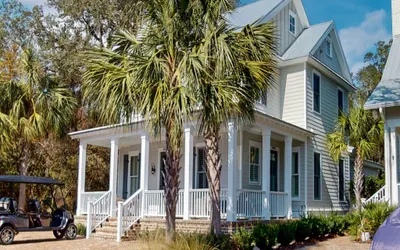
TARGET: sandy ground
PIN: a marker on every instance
(46, 241)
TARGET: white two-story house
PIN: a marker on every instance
(276, 168)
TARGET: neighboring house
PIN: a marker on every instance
(278, 168)
(370, 168)
(386, 100)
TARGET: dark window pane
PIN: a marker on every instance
(340, 102)
(317, 176)
(341, 180)
(317, 92)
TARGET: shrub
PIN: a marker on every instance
(81, 229)
(338, 224)
(220, 241)
(303, 230)
(243, 239)
(265, 236)
(286, 233)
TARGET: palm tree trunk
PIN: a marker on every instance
(358, 178)
(171, 183)
(23, 170)
(213, 159)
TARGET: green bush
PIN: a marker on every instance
(339, 224)
(303, 230)
(243, 239)
(220, 241)
(81, 229)
(287, 232)
(265, 236)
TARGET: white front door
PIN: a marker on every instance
(133, 173)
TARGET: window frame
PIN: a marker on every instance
(338, 108)
(292, 14)
(297, 150)
(344, 181)
(329, 40)
(313, 91)
(254, 144)
(320, 176)
(278, 175)
(196, 165)
(158, 169)
(130, 155)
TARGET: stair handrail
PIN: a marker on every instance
(379, 196)
(129, 212)
(98, 212)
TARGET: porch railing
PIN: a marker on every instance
(249, 203)
(87, 197)
(98, 212)
(379, 196)
(223, 202)
(278, 204)
(129, 212)
(199, 203)
(155, 206)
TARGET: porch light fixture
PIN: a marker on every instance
(153, 168)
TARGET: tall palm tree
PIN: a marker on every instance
(151, 74)
(360, 129)
(241, 67)
(33, 105)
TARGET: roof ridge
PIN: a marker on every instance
(318, 24)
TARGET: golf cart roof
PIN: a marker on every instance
(29, 180)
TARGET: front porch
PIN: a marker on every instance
(260, 179)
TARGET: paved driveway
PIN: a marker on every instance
(46, 241)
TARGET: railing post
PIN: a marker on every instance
(89, 220)
(119, 222)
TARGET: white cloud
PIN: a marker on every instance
(358, 40)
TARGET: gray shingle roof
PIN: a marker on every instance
(387, 93)
(251, 13)
(306, 42)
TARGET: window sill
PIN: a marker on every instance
(254, 184)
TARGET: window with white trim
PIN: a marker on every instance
(263, 100)
(255, 164)
(329, 49)
(340, 101)
(201, 174)
(317, 176)
(317, 92)
(295, 175)
(292, 22)
(341, 180)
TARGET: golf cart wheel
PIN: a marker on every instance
(59, 234)
(71, 231)
(7, 235)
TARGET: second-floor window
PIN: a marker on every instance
(341, 180)
(340, 101)
(317, 92)
(292, 23)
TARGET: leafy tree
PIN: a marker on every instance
(36, 105)
(370, 75)
(360, 129)
(240, 67)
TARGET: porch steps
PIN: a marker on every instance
(108, 231)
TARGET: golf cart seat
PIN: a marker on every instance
(33, 206)
(7, 205)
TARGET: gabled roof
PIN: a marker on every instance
(387, 93)
(307, 41)
(262, 11)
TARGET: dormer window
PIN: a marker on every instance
(292, 23)
(329, 46)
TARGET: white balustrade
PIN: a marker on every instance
(249, 203)
(379, 196)
(200, 206)
(180, 204)
(223, 202)
(98, 212)
(129, 213)
(154, 203)
(87, 197)
(278, 204)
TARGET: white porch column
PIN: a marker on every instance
(388, 163)
(288, 174)
(232, 172)
(394, 152)
(188, 171)
(81, 177)
(266, 170)
(113, 176)
(144, 167)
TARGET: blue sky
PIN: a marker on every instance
(360, 23)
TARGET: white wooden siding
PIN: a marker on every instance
(323, 124)
(282, 25)
(292, 95)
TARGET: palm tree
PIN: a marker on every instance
(33, 105)
(360, 129)
(241, 67)
(151, 74)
